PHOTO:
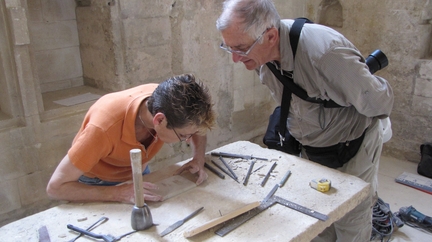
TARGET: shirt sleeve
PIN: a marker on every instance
(90, 145)
(348, 81)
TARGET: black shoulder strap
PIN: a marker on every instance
(288, 82)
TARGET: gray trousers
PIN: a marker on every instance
(357, 224)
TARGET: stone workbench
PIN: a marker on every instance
(218, 197)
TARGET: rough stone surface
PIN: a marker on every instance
(49, 48)
(218, 197)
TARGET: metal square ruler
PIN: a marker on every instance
(421, 183)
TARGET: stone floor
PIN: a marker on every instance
(398, 195)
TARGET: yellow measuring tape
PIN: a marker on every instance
(322, 185)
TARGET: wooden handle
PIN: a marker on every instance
(136, 162)
(219, 220)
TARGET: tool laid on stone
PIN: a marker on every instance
(322, 185)
(268, 174)
(219, 220)
(105, 237)
(229, 168)
(43, 234)
(97, 223)
(180, 222)
(225, 171)
(280, 184)
(141, 217)
(419, 182)
(249, 171)
(217, 173)
(230, 155)
(241, 219)
(259, 168)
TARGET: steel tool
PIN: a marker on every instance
(280, 184)
(105, 237)
(43, 234)
(217, 173)
(222, 169)
(141, 217)
(249, 172)
(246, 157)
(180, 222)
(229, 168)
(259, 168)
(97, 223)
(268, 174)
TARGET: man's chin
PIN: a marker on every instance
(250, 65)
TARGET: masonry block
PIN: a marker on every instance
(58, 64)
(147, 32)
(147, 62)
(32, 188)
(422, 106)
(146, 9)
(55, 10)
(19, 26)
(425, 69)
(54, 35)
(9, 196)
(423, 87)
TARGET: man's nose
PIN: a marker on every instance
(235, 57)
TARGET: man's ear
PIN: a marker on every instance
(158, 119)
(273, 36)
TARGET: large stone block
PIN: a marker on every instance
(425, 69)
(58, 64)
(35, 11)
(147, 62)
(19, 26)
(57, 10)
(145, 9)
(53, 35)
(423, 87)
(422, 106)
(9, 196)
(147, 32)
(32, 188)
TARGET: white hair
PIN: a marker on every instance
(255, 15)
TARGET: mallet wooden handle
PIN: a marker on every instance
(136, 162)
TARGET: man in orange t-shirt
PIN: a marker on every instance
(143, 117)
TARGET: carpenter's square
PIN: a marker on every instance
(280, 184)
(241, 219)
(230, 155)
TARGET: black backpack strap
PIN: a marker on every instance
(287, 91)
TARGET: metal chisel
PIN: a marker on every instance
(230, 155)
(268, 174)
(280, 184)
(249, 172)
(180, 222)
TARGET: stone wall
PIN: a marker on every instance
(124, 43)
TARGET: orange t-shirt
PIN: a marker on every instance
(107, 134)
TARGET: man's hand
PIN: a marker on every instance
(127, 192)
(195, 166)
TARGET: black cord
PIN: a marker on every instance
(382, 221)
